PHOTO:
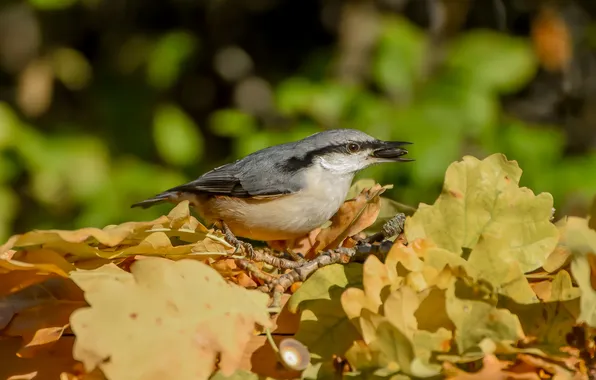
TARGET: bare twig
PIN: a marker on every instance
(340, 255)
(254, 270)
(301, 270)
(392, 227)
(253, 255)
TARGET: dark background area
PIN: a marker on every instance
(106, 102)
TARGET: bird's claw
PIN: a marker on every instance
(237, 243)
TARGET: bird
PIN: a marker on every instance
(284, 191)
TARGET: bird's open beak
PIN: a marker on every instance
(392, 150)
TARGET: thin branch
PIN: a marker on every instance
(340, 255)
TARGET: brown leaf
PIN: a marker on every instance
(52, 291)
(492, 369)
(552, 40)
(553, 369)
(353, 216)
(31, 267)
(558, 258)
(305, 244)
(260, 358)
(46, 366)
(42, 325)
(245, 281)
(542, 289)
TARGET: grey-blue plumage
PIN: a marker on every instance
(272, 171)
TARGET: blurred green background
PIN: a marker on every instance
(106, 102)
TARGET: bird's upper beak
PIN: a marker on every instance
(391, 150)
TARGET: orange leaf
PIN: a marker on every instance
(42, 325)
(47, 366)
(51, 291)
(552, 40)
(353, 216)
(542, 289)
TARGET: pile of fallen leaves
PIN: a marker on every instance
(482, 284)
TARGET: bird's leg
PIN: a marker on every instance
(232, 239)
(299, 258)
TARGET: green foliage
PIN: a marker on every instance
(176, 136)
(52, 4)
(400, 57)
(77, 177)
(492, 62)
(167, 57)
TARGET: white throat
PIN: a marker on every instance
(340, 166)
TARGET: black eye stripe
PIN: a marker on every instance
(299, 162)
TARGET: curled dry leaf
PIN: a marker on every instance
(353, 216)
(492, 368)
(46, 366)
(29, 267)
(39, 313)
(165, 319)
(129, 239)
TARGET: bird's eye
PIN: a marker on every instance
(353, 147)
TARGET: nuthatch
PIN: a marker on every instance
(284, 191)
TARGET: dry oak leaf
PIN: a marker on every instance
(164, 319)
(28, 267)
(39, 313)
(481, 200)
(130, 238)
(47, 366)
(354, 216)
(492, 369)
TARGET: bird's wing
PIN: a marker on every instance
(231, 180)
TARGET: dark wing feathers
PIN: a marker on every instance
(238, 180)
(258, 177)
(215, 181)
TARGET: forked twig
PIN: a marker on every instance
(360, 252)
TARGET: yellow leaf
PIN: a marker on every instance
(399, 310)
(127, 239)
(353, 301)
(30, 267)
(375, 279)
(165, 319)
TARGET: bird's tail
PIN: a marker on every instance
(166, 196)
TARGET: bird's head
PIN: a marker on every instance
(346, 151)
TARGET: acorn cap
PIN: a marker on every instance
(293, 354)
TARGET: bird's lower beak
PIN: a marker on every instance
(392, 150)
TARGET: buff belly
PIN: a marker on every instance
(277, 218)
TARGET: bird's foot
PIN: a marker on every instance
(239, 244)
(297, 257)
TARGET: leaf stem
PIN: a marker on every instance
(271, 341)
